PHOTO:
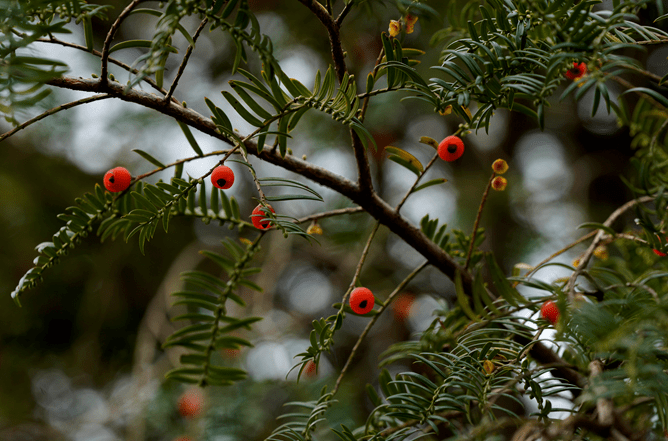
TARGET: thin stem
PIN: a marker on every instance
(343, 13)
(325, 214)
(599, 235)
(410, 190)
(110, 36)
(49, 112)
(373, 320)
(477, 220)
(358, 269)
(181, 161)
(130, 69)
(182, 67)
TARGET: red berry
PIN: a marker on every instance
(258, 215)
(451, 148)
(117, 179)
(659, 253)
(190, 404)
(222, 177)
(310, 369)
(577, 71)
(550, 312)
(361, 300)
(402, 306)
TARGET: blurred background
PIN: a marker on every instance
(81, 360)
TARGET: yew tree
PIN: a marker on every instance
(594, 341)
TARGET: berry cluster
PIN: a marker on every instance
(118, 179)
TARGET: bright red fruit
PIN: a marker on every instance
(258, 215)
(190, 404)
(577, 71)
(550, 312)
(222, 177)
(361, 300)
(451, 148)
(659, 253)
(117, 179)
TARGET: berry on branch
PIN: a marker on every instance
(500, 166)
(550, 312)
(577, 71)
(361, 300)
(222, 177)
(117, 179)
(451, 148)
(258, 215)
(499, 183)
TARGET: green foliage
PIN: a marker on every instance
(22, 23)
(210, 331)
(482, 353)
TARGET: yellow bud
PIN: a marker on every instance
(489, 366)
(601, 252)
(314, 229)
(576, 263)
(395, 28)
(499, 183)
(409, 29)
(245, 241)
(500, 166)
(446, 111)
(411, 19)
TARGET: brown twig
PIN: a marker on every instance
(373, 320)
(107, 41)
(477, 219)
(410, 190)
(590, 251)
(325, 214)
(52, 111)
(182, 67)
(130, 69)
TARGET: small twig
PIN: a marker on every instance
(343, 13)
(150, 81)
(182, 67)
(110, 36)
(590, 251)
(373, 320)
(181, 161)
(561, 251)
(477, 220)
(410, 190)
(53, 111)
(325, 214)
